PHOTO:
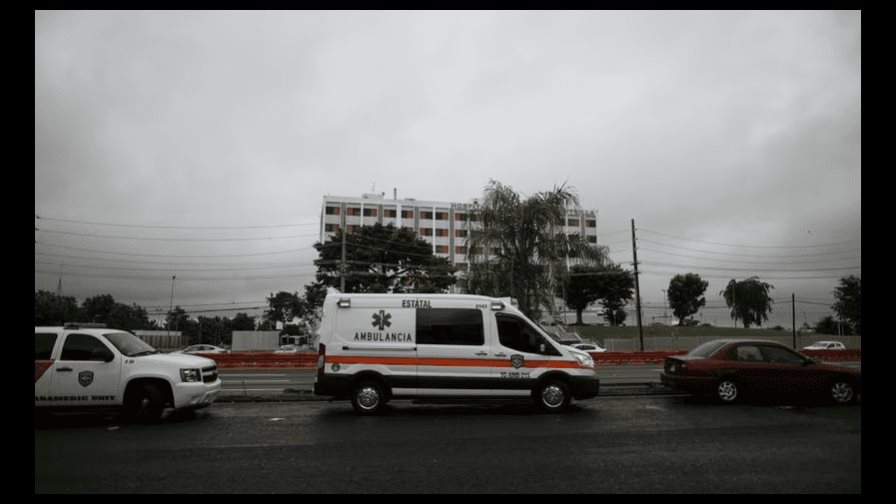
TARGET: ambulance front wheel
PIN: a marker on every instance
(552, 395)
(368, 398)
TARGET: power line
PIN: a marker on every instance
(168, 278)
(741, 255)
(144, 226)
(119, 237)
(172, 264)
(666, 273)
(772, 270)
(742, 261)
(289, 251)
(750, 246)
(179, 269)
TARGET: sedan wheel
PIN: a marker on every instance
(727, 391)
(842, 392)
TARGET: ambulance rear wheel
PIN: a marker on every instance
(368, 398)
(552, 396)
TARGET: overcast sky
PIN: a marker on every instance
(707, 128)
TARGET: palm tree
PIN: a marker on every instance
(519, 247)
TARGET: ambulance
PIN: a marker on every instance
(376, 347)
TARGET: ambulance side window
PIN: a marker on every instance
(449, 326)
(518, 335)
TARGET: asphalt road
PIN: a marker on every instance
(655, 444)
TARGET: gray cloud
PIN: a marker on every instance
(732, 127)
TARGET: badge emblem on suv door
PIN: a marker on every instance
(516, 360)
(85, 378)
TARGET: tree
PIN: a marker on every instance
(748, 300)
(828, 325)
(284, 306)
(382, 259)
(849, 302)
(242, 322)
(129, 318)
(581, 287)
(686, 295)
(51, 309)
(617, 287)
(524, 241)
(97, 308)
(215, 330)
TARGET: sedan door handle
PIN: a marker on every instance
(61, 369)
(500, 355)
(481, 353)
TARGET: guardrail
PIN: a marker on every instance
(263, 360)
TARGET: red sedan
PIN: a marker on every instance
(730, 368)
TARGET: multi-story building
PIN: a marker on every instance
(442, 224)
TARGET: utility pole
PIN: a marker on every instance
(637, 289)
(793, 316)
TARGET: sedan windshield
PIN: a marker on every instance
(129, 345)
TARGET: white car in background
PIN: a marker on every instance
(588, 347)
(202, 349)
(826, 345)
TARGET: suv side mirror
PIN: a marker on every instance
(102, 354)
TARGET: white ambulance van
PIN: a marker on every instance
(375, 347)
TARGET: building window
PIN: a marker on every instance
(370, 212)
(441, 215)
(425, 231)
(331, 228)
(590, 223)
(407, 214)
(460, 250)
(426, 215)
(460, 233)
(592, 239)
(350, 228)
(441, 249)
(460, 216)
(352, 211)
(389, 212)
(573, 223)
(332, 210)
(441, 232)
(405, 228)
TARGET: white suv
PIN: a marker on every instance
(86, 365)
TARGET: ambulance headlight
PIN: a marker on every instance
(191, 375)
(584, 359)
